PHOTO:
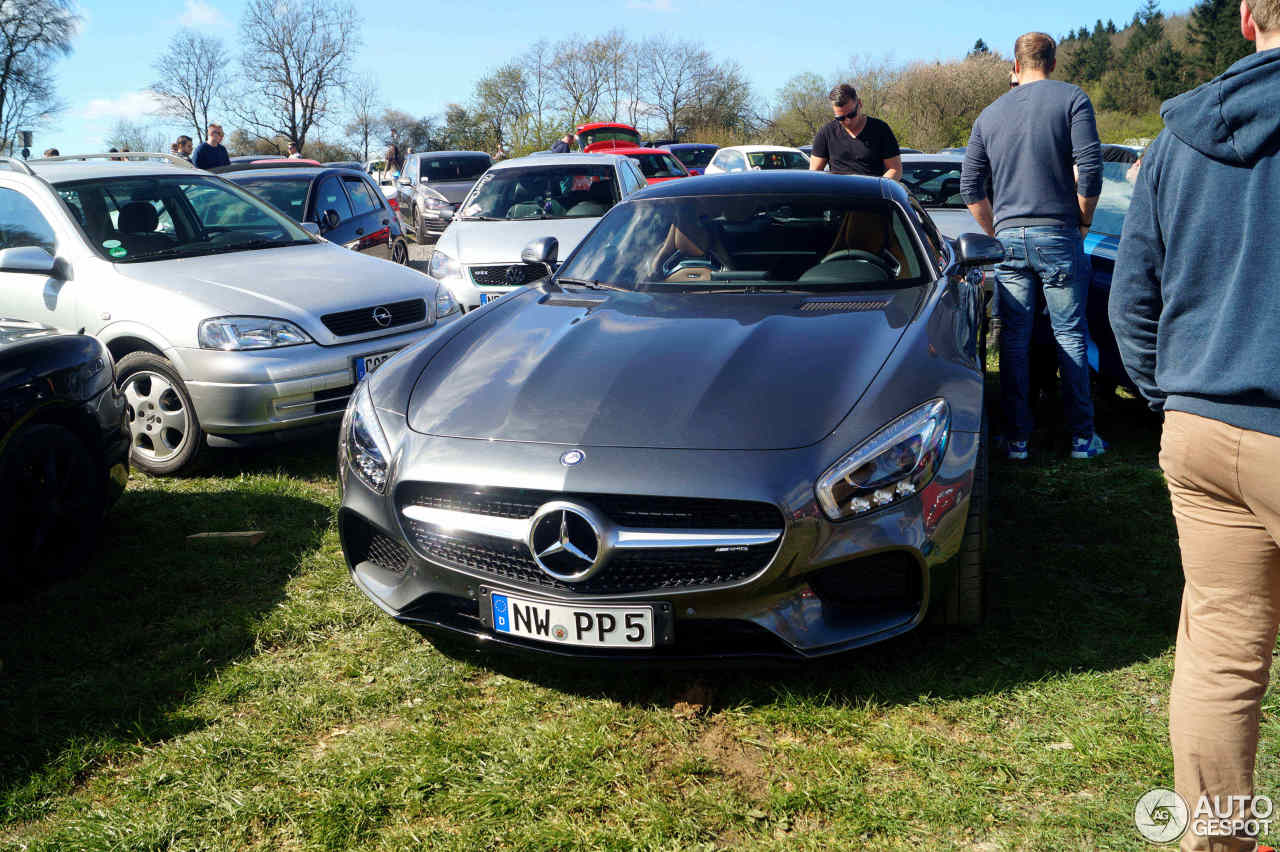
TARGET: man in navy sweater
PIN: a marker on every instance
(1195, 305)
(1027, 142)
(211, 154)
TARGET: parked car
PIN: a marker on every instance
(560, 195)
(345, 164)
(431, 186)
(602, 135)
(227, 320)
(742, 158)
(694, 155)
(64, 445)
(345, 204)
(934, 181)
(743, 418)
(655, 164)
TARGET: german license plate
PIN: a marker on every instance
(486, 298)
(366, 364)
(585, 626)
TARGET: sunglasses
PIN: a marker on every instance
(848, 115)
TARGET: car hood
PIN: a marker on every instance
(453, 190)
(502, 242)
(674, 371)
(297, 283)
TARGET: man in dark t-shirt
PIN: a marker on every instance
(854, 143)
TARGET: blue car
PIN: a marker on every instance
(694, 155)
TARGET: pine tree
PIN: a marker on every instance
(979, 48)
(1148, 30)
(1214, 35)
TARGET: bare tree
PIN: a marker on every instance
(802, 109)
(127, 135)
(500, 99)
(365, 105)
(537, 62)
(675, 72)
(190, 75)
(32, 34)
(296, 62)
(578, 76)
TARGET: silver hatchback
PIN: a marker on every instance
(228, 321)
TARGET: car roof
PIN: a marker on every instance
(597, 125)
(56, 171)
(559, 159)
(943, 157)
(673, 145)
(420, 154)
(778, 182)
(753, 149)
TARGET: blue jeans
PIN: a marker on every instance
(1052, 259)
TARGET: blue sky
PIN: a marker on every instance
(432, 53)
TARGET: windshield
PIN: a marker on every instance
(751, 241)
(1113, 203)
(695, 158)
(769, 160)
(659, 165)
(934, 184)
(131, 219)
(542, 192)
(288, 195)
(454, 168)
(609, 134)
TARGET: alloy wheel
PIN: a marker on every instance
(158, 421)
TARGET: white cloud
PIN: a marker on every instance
(198, 14)
(132, 105)
(652, 5)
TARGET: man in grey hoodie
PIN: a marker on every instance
(1195, 306)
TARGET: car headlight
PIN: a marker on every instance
(233, 333)
(364, 446)
(435, 201)
(445, 303)
(890, 466)
(443, 266)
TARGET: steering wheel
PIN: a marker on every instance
(890, 269)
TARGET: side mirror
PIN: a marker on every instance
(311, 228)
(330, 220)
(31, 259)
(422, 179)
(978, 250)
(542, 251)
(404, 181)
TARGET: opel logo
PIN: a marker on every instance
(568, 541)
(382, 316)
(515, 275)
(572, 457)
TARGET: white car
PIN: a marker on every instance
(743, 158)
(517, 201)
(229, 323)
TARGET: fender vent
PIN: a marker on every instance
(810, 306)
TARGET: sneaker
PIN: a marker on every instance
(1088, 447)
(1017, 450)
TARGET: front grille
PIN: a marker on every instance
(496, 276)
(388, 555)
(628, 572)
(361, 321)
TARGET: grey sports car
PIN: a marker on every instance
(743, 418)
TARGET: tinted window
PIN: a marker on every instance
(454, 168)
(329, 196)
(21, 224)
(806, 242)
(543, 192)
(361, 197)
(606, 134)
(695, 158)
(658, 165)
(288, 195)
(769, 160)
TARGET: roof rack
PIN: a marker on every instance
(17, 165)
(173, 159)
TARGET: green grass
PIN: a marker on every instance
(197, 696)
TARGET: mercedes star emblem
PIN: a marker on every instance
(382, 316)
(572, 457)
(567, 541)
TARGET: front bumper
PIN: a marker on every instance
(828, 587)
(245, 393)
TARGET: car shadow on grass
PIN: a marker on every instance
(1087, 578)
(101, 663)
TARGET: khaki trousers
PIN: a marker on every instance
(1225, 487)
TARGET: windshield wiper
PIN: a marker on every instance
(482, 219)
(249, 245)
(590, 284)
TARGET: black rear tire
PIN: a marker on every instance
(968, 602)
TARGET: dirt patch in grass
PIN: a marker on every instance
(742, 764)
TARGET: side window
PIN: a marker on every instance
(329, 196)
(635, 180)
(21, 224)
(361, 199)
(734, 161)
(932, 240)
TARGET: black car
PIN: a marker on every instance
(64, 449)
(346, 205)
(432, 185)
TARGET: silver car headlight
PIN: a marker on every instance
(445, 303)
(236, 333)
(435, 201)
(890, 466)
(443, 266)
(364, 446)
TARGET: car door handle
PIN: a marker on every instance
(360, 232)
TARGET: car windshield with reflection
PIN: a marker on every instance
(454, 167)
(575, 191)
(129, 219)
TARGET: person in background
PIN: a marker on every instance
(1027, 142)
(50, 152)
(395, 159)
(854, 143)
(293, 152)
(184, 146)
(1196, 314)
(564, 144)
(210, 154)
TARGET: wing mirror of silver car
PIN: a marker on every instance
(29, 259)
(330, 220)
(978, 250)
(542, 252)
(311, 228)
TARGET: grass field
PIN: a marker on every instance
(200, 696)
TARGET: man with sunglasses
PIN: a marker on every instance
(854, 143)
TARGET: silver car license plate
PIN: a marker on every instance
(366, 364)
(586, 625)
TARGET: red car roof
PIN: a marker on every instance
(600, 125)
